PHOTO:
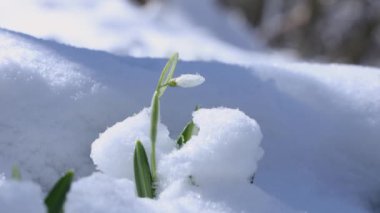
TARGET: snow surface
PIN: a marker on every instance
(320, 122)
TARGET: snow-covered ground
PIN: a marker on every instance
(320, 123)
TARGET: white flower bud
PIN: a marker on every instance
(187, 80)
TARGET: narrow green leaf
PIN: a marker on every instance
(16, 174)
(55, 200)
(167, 74)
(143, 177)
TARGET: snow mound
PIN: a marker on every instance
(227, 148)
(208, 174)
(40, 77)
(113, 151)
(18, 196)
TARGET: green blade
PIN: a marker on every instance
(55, 200)
(167, 74)
(143, 177)
(16, 174)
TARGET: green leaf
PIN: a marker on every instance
(55, 200)
(186, 134)
(167, 74)
(16, 174)
(143, 177)
(155, 114)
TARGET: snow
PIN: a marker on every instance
(210, 158)
(39, 77)
(122, 28)
(226, 149)
(110, 194)
(118, 195)
(320, 122)
(113, 151)
(18, 196)
(100, 193)
(220, 159)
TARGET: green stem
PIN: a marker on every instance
(153, 131)
(153, 163)
(163, 83)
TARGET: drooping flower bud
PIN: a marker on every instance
(187, 80)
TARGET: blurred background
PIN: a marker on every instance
(231, 31)
(344, 31)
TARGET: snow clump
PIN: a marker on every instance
(113, 151)
(100, 193)
(226, 148)
(16, 196)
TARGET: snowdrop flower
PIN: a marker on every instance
(187, 80)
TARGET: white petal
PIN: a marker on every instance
(189, 80)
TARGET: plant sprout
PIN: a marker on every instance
(145, 175)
